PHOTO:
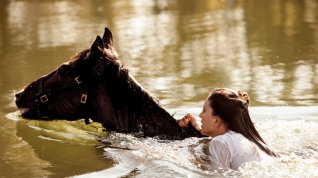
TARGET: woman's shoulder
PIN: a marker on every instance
(224, 140)
(228, 136)
(233, 140)
(239, 147)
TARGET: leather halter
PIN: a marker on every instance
(47, 96)
(44, 97)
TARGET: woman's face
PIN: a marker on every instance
(209, 125)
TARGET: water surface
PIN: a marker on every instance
(178, 50)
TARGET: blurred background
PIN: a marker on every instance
(178, 50)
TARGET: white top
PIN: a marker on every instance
(232, 149)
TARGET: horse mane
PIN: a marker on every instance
(79, 55)
(133, 91)
(133, 109)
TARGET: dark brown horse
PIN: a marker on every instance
(95, 85)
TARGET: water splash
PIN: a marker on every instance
(290, 131)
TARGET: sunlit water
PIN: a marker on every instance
(178, 50)
(290, 131)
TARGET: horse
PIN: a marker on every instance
(95, 85)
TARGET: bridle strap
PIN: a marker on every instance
(77, 81)
(83, 98)
(44, 98)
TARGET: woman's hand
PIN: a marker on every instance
(184, 122)
(188, 118)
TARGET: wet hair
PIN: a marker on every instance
(232, 107)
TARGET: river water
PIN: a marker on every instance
(178, 50)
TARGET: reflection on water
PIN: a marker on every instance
(189, 47)
(177, 49)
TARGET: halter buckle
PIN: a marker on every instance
(44, 99)
(83, 98)
(78, 79)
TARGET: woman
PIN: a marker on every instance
(225, 117)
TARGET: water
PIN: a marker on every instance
(284, 129)
(151, 158)
(178, 50)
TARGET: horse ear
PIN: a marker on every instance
(97, 47)
(93, 61)
(108, 38)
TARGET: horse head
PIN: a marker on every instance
(94, 84)
(63, 93)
